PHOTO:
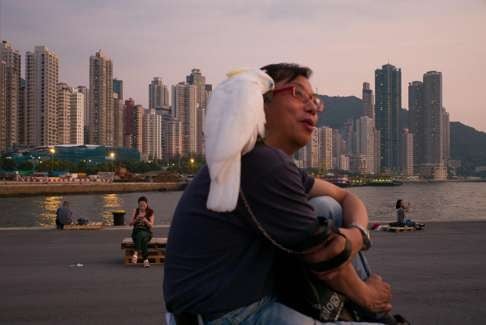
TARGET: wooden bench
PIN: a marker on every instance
(156, 250)
(89, 226)
(397, 229)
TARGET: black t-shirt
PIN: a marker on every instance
(217, 262)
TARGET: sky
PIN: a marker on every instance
(343, 41)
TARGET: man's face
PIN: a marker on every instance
(290, 122)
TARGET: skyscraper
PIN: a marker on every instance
(387, 109)
(77, 105)
(128, 124)
(3, 108)
(416, 120)
(101, 100)
(158, 94)
(152, 131)
(184, 108)
(84, 90)
(368, 101)
(63, 128)
(118, 121)
(325, 140)
(446, 141)
(118, 88)
(42, 75)
(22, 114)
(133, 125)
(364, 143)
(11, 95)
(433, 118)
(312, 150)
(406, 156)
(171, 137)
(203, 92)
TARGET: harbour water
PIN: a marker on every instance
(447, 201)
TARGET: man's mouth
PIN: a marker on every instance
(309, 124)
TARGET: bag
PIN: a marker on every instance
(299, 289)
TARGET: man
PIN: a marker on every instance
(219, 266)
(64, 216)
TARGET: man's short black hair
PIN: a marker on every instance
(142, 198)
(286, 71)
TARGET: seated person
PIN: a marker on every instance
(142, 222)
(402, 220)
(219, 267)
(64, 216)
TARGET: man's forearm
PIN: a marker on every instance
(354, 211)
(346, 281)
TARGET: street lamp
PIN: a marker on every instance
(52, 151)
(112, 155)
(191, 161)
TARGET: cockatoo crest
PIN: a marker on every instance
(234, 119)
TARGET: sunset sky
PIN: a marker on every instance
(343, 41)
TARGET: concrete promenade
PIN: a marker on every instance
(438, 276)
(9, 189)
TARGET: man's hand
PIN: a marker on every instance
(379, 295)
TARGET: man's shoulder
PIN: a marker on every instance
(268, 155)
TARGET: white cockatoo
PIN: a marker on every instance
(234, 119)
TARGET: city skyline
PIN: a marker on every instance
(413, 36)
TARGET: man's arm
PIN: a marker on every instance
(373, 294)
(354, 211)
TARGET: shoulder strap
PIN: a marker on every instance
(319, 266)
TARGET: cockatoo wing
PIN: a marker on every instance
(234, 118)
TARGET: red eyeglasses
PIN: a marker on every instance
(301, 95)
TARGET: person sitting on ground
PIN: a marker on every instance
(402, 220)
(142, 222)
(64, 216)
(219, 266)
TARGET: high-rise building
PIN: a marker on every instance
(171, 137)
(368, 101)
(22, 114)
(118, 88)
(325, 141)
(42, 75)
(70, 115)
(128, 124)
(446, 138)
(152, 132)
(11, 94)
(364, 144)
(406, 148)
(84, 90)
(133, 125)
(77, 106)
(118, 120)
(63, 128)
(203, 91)
(158, 94)
(429, 123)
(101, 100)
(376, 149)
(3, 108)
(347, 135)
(184, 108)
(388, 83)
(139, 113)
(416, 120)
(433, 149)
(338, 148)
(312, 150)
